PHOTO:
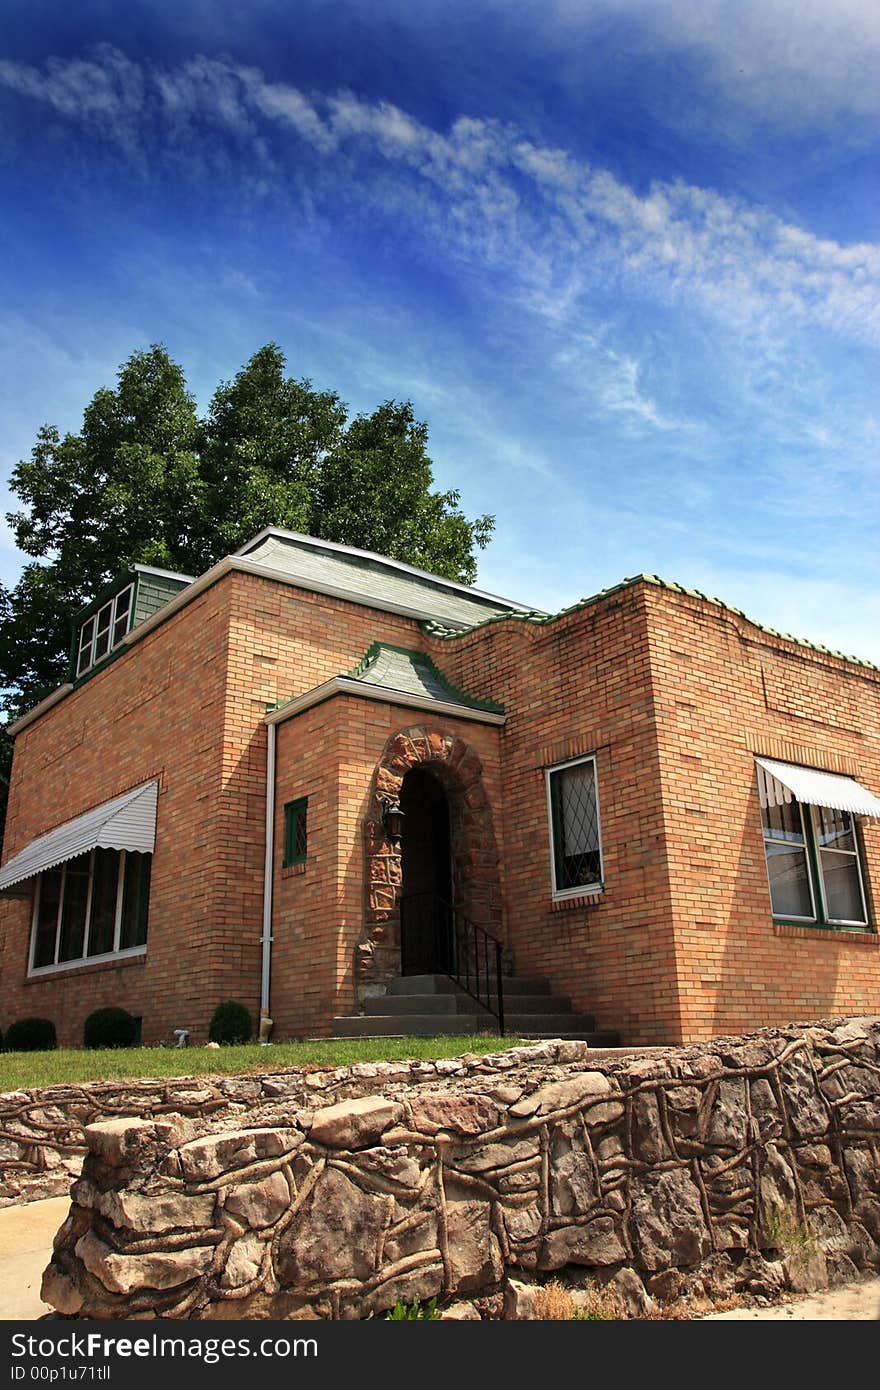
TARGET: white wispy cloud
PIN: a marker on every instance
(559, 225)
(786, 64)
(788, 60)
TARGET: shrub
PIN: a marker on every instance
(782, 1230)
(110, 1027)
(230, 1023)
(593, 1303)
(410, 1312)
(31, 1035)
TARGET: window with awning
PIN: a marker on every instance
(128, 822)
(811, 843)
(91, 882)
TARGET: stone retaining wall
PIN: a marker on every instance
(42, 1130)
(743, 1164)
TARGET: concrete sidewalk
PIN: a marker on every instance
(26, 1235)
(845, 1303)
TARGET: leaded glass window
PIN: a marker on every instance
(574, 827)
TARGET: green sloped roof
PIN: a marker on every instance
(373, 579)
(413, 673)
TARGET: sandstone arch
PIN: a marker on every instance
(475, 860)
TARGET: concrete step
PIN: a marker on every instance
(427, 1005)
(402, 1005)
(533, 1004)
(410, 1025)
(442, 984)
(460, 1003)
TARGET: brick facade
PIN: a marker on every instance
(673, 694)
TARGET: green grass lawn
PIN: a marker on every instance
(66, 1065)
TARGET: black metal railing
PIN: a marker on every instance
(437, 938)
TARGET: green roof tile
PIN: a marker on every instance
(447, 633)
(413, 673)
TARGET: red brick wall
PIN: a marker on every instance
(184, 704)
(674, 695)
(725, 691)
(582, 684)
(155, 712)
(329, 753)
(283, 642)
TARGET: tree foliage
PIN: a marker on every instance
(146, 480)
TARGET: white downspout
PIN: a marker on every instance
(268, 877)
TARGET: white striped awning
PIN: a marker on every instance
(126, 822)
(814, 788)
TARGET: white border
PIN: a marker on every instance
(112, 641)
(366, 690)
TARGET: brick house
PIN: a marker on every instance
(312, 773)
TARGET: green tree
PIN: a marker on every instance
(147, 481)
(276, 452)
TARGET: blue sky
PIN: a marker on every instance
(622, 255)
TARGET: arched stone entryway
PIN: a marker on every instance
(426, 888)
(473, 853)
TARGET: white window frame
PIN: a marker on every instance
(581, 890)
(812, 851)
(112, 610)
(78, 962)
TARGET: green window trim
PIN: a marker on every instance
(296, 832)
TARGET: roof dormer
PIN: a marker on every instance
(130, 600)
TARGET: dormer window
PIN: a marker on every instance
(104, 630)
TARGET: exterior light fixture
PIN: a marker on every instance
(392, 819)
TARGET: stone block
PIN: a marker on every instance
(519, 1300)
(119, 1142)
(354, 1124)
(60, 1292)
(448, 1110)
(259, 1204)
(243, 1262)
(667, 1222)
(474, 1254)
(559, 1095)
(334, 1236)
(596, 1243)
(203, 1160)
(460, 1312)
(125, 1274)
(649, 1141)
(154, 1212)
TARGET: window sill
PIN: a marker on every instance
(588, 897)
(137, 956)
(811, 931)
(291, 870)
